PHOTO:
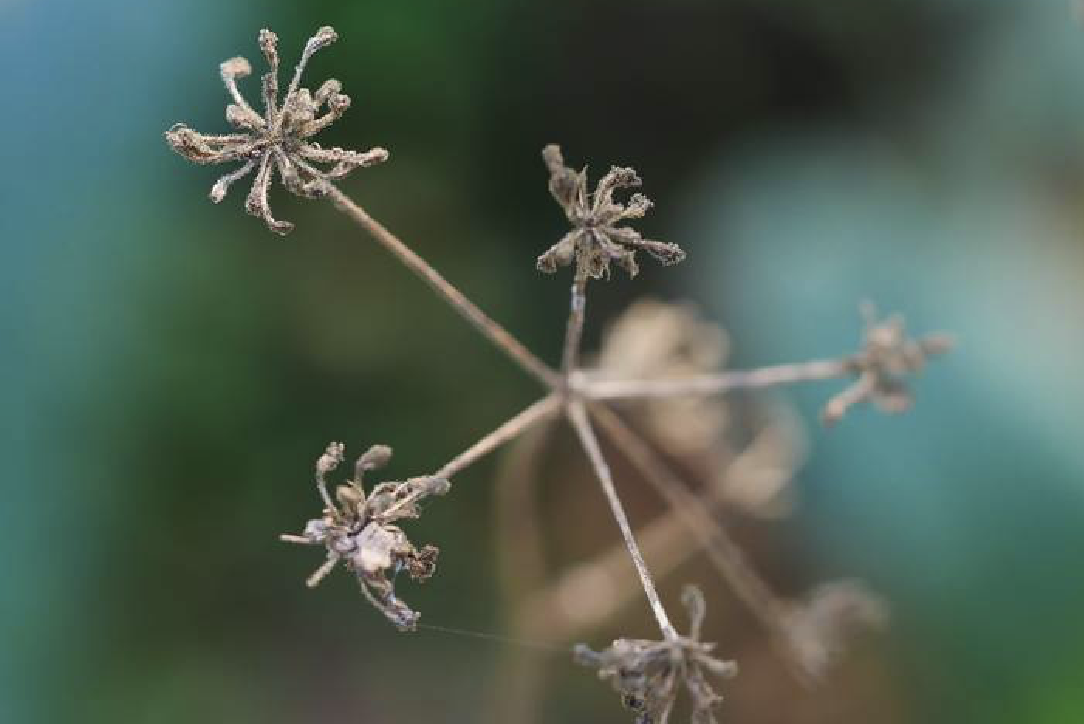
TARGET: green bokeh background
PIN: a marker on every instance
(171, 369)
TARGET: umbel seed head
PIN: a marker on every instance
(278, 140)
(596, 240)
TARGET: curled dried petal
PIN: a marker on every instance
(222, 185)
(257, 203)
(560, 254)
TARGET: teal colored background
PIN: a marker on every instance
(171, 369)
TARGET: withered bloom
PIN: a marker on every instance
(886, 358)
(595, 239)
(647, 673)
(277, 140)
(358, 530)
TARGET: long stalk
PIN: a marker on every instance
(465, 307)
(578, 417)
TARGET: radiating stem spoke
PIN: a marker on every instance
(578, 417)
(722, 551)
(703, 385)
(467, 309)
(506, 432)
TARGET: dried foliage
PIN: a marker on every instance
(660, 366)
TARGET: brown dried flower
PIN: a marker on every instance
(887, 356)
(595, 239)
(278, 139)
(358, 530)
(647, 673)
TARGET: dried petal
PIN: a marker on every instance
(218, 191)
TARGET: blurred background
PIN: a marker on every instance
(172, 370)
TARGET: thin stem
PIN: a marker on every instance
(698, 385)
(574, 330)
(578, 417)
(506, 432)
(722, 551)
(466, 308)
(509, 430)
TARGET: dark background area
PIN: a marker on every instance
(172, 369)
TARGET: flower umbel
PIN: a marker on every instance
(647, 673)
(358, 530)
(277, 140)
(595, 239)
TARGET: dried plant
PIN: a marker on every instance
(681, 382)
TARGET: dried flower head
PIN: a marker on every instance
(887, 356)
(277, 140)
(647, 673)
(818, 628)
(358, 530)
(595, 239)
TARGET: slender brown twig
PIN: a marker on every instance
(727, 557)
(702, 385)
(511, 429)
(459, 302)
(508, 431)
(574, 331)
(578, 417)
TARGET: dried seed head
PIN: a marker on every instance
(647, 673)
(881, 366)
(359, 531)
(595, 240)
(277, 141)
(331, 457)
